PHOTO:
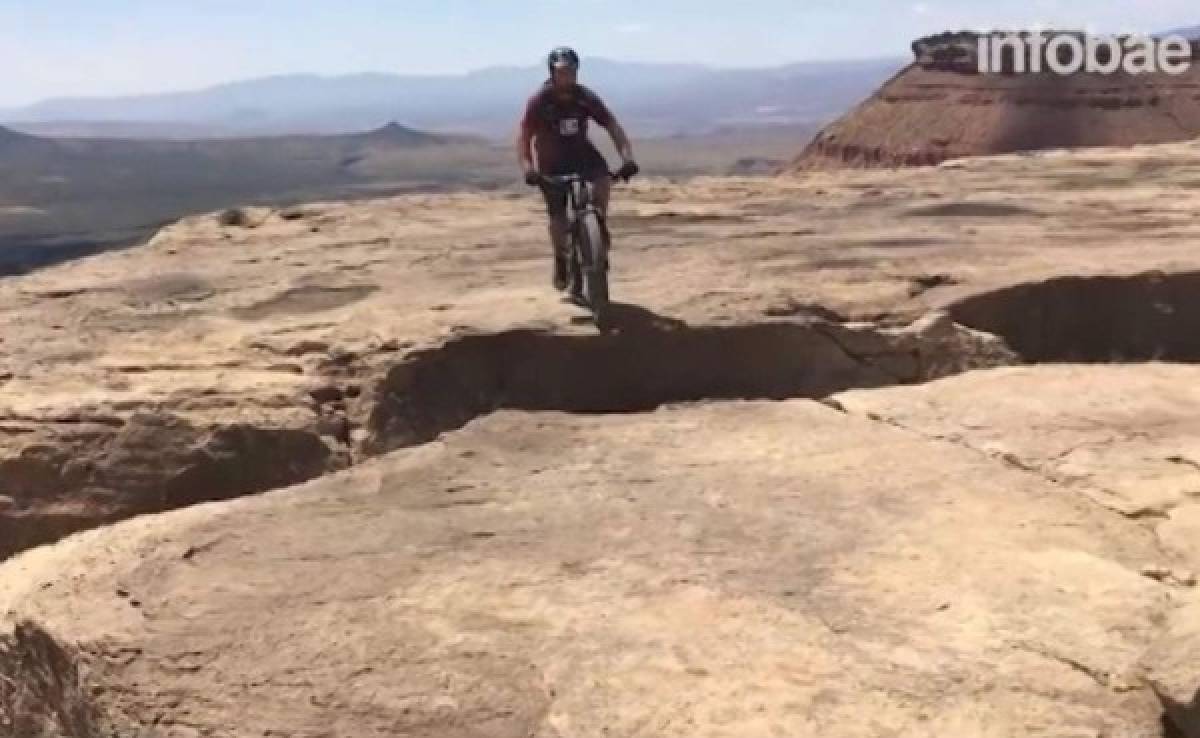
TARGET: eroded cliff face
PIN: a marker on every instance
(941, 107)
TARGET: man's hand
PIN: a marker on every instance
(532, 178)
(628, 170)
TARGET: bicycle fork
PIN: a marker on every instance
(595, 256)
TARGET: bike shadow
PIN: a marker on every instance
(621, 317)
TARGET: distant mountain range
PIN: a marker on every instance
(1192, 32)
(65, 197)
(652, 99)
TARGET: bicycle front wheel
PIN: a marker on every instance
(594, 248)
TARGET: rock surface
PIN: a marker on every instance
(940, 107)
(724, 569)
(805, 486)
(1125, 437)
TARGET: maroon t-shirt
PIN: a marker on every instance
(559, 128)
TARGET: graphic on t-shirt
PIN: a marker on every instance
(569, 126)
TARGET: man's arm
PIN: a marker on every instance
(602, 115)
(525, 140)
(620, 139)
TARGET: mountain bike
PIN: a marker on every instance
(587, 246)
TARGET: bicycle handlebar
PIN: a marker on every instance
(562, 181)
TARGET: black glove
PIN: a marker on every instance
(628, 170)
(532, 178)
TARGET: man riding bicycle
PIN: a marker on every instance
(555, 128)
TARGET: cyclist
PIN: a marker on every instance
(555, 128)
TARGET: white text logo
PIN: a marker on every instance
(1071, 53)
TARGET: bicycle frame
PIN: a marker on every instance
(579, 195)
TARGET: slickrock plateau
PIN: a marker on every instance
(941, 107)
(865, 453)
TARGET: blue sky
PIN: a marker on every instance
(102, 47)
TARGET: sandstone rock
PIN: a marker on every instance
(945, 348)
(746, 568)
(244, 217)
(1181, 533)
(1110, 432)
(1168, 575)
(1172, 669)
(61, 479)
(326, 393)
(1122, 436)
(42, 692)
(745, 510)
(336, 425)
(295, 212)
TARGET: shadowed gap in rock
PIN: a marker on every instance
(1145, 317)
(648, 362)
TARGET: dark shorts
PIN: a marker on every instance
(590, 164)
